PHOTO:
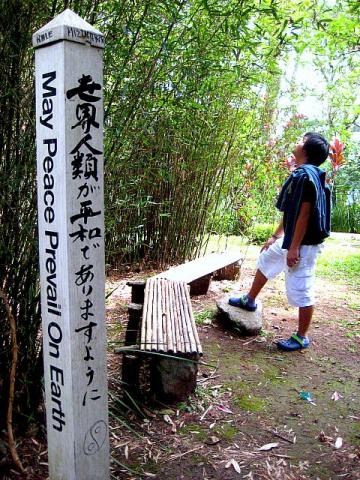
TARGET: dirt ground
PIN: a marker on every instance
(247, 419)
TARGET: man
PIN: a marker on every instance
(294, 246)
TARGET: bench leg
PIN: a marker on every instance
(131, 362)
(137, 291)
(200, 286)
(230, 272)
(130, 372)
(173, 380)
(133, 326)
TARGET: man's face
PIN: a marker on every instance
(299, 152)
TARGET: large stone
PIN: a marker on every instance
(243, 322)
(174, 380)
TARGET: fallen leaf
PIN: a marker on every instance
(213, 440)
(126, 452)
(269, 446)
(234, 464)
(338, 442)
(336, 396)
(167, 411)
(168, 420)
(224, 409)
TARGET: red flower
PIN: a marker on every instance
(336, 154)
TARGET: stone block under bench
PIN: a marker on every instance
(163, 325)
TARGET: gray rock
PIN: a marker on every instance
(174, 380)
(245, 323)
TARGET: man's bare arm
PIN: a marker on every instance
(279, 232)
(302, 222)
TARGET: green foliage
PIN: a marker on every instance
(340, 262)
(260, 232)
(183, 82)
(204, 317)
(346, 194)
(352, 328)
(345, 217)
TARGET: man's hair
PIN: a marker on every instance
(316, 148)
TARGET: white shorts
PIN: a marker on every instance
(300, 279)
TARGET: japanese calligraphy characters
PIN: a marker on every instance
(86, 232)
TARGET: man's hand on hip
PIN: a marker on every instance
(267, 244)
(293, 257)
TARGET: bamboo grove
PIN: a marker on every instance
(190, 101)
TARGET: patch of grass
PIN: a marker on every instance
(272, 374)
(352, 348)
(340, 262)
(226, 431)
(237, 385)
(150, 466)
(354, 436)
(344, 387)
(195, 429)
(196, 402)
(319, 471)
(250, 403)
(205, 317)
(352, 327)
(354, 305)
(114, 329)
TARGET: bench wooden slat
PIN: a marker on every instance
(168, 323)
(169, 320)
(192, 320)
(200, 267)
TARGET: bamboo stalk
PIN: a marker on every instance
(181, 319)
(189, 325)
(169, 319)
(164, 315)
(14, 352)
(153, 318)
(175, 316)
(148, 316)
(191, 314)
(189, 337)
(159, 316)
(144, 315)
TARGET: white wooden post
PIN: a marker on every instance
(69, 126)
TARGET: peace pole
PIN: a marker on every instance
(69, 129)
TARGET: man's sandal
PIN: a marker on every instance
(295, 342)
(242, 302)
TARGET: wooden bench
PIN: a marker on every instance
(161, 321)
(168, 323)
(163, 324)
(198, 273)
